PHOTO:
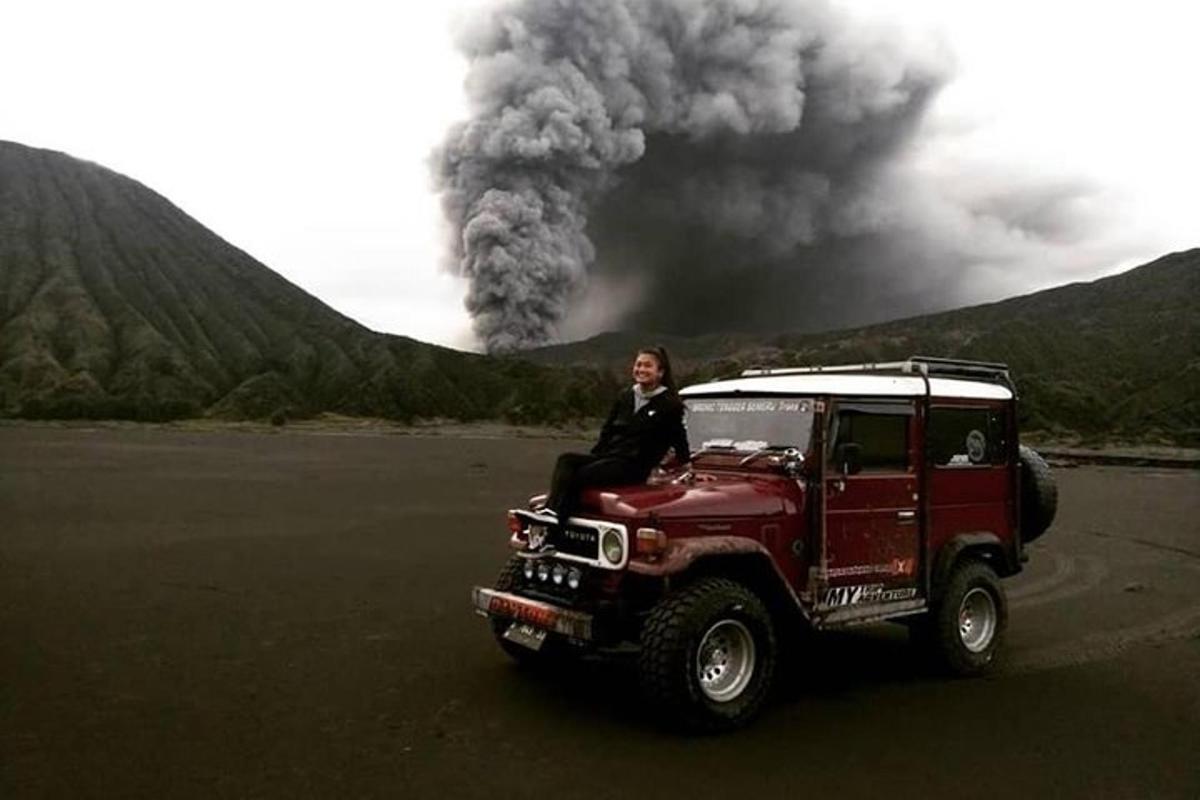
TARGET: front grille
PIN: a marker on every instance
(580, 540)
(576, 541)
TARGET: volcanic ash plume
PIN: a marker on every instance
(720, 154)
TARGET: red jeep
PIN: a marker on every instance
(819, 498)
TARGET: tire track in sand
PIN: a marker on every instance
(1182, 623)
(1084, 574)
(1064, 567)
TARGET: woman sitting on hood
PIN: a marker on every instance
(645, 421)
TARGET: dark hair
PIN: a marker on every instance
(660, 354)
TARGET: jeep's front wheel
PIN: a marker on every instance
(708, 655)
(966, 627)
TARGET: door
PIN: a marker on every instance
(970, 474)
(872, 520)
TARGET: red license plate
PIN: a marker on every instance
(534, 615)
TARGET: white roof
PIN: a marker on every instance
(850, 383)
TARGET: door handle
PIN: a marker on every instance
(904, 517)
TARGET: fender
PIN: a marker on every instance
(981, 540)
(682, 554)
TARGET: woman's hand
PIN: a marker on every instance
(673, 460)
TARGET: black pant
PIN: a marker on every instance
(574, 472)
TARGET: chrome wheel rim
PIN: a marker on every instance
(725, 660)
(977, 620)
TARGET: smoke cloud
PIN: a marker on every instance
(715, 164)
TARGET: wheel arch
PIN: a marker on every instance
(738, 558)
(982, 546)
(755, 571)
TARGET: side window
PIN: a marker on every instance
(881, 435)
(964, 437)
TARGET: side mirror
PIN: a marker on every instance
(848, 456)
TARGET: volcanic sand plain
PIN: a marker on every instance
(224, 614)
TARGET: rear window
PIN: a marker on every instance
(966, 437)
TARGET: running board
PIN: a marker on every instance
(862, 615)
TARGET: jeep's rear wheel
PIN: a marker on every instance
(552, 650)
(966, 626)
(708, 655)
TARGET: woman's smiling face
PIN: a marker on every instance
(647, 372)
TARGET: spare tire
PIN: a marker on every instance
(1039, 495)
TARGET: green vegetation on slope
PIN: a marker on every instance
(1117, 358)
(116, 304)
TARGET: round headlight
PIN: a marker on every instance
(574, 576)
(543, 570)
(558, 573)
(612, 546)
(527, 568)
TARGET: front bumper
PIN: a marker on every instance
(556, 619)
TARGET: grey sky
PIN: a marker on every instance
(300, 132)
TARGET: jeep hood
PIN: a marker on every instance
(712, 495)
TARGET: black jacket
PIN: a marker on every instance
(644, 437)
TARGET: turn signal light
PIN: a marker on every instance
(650, 542)
(518, 539)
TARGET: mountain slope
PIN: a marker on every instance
(114, 303)
(1116, 357)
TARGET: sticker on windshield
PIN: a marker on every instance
(758, 405)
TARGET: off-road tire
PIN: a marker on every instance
(1039, 495)
(942, 631)
(552, 651)
(669, 658)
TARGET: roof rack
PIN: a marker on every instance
(991, 371)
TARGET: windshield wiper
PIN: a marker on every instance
(787, 450)
(713, 448)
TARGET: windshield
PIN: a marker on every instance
(748, 424)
